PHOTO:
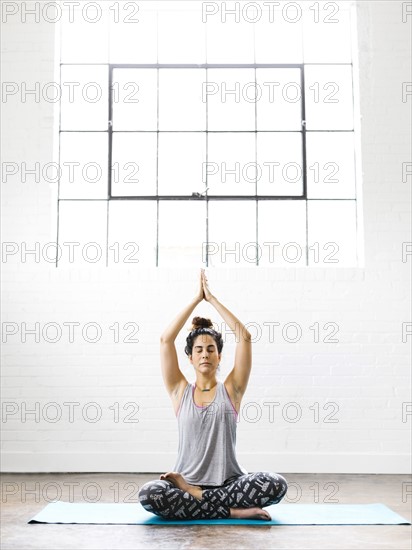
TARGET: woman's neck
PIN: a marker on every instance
(205, 384)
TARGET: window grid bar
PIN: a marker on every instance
(59, 161)
(203, 65)
(256, 159)
(207, 176)
(206, 35)
(157, 169)
(110, 130)
(303, 119)
(216, 197)
(304, 166)
(196, 131)
(157, 140)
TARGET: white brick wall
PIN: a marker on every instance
(363, 381)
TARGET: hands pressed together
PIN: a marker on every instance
(204, 291)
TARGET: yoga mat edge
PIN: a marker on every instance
(61, 512)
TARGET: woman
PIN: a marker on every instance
(207, 481)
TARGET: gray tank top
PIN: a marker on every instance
(207, 439)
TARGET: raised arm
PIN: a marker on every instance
(172, 375)
(238, 377)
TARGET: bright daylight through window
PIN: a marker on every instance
(210, 133)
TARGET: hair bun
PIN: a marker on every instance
(201, 322)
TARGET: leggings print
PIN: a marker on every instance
(163, 498)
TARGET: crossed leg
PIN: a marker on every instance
(172, 497)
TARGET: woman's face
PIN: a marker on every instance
(205, 357)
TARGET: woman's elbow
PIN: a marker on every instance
(247, 336)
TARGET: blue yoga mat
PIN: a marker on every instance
(282, 514)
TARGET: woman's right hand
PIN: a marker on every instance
(200, 294)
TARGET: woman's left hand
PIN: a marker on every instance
(206, 291)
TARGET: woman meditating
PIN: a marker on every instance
(207, 481)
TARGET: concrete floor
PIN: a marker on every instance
(33, 491)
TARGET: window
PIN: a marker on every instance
(210, 133)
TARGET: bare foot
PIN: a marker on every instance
(179, 481)
(249, 513)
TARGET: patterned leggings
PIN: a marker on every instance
(163, 498)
